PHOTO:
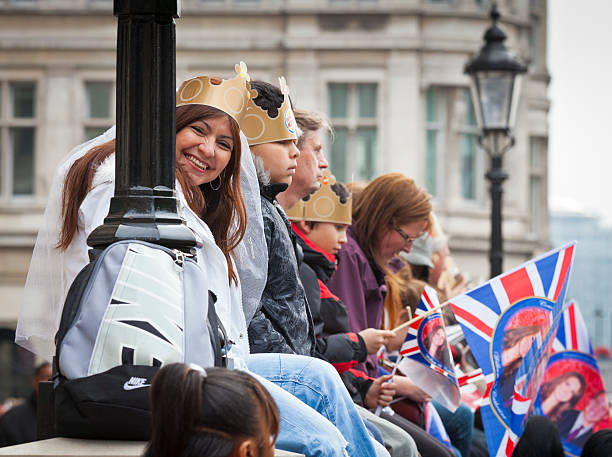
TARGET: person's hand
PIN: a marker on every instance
(380, 393)
(375, 339)
(395, 342)
(405, 386)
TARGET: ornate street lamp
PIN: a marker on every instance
(495, 83)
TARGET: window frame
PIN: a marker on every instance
(440, 126)
(353, 122)
(540, 173)
(479, 165)
(8, 122)
(89, 122)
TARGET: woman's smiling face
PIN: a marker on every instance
(567, 388)
(204, 148)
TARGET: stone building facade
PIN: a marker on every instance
(389, 73)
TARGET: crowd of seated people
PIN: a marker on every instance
(306, 354)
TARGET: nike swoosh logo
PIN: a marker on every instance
(127, 386)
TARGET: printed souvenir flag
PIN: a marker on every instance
(470, 395)
(531, 370)
(426, 357)
(509, 324)
(435, 427)
(572, 393)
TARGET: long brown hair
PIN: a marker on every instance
(195, 414)
(389, 199)
(549, 387)
(223, 210)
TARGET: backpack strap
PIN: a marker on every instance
(218, 335)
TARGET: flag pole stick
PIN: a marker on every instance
(421, 316)
(380, 408)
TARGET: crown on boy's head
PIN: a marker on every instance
(260, 128)
(228, 95)
(324, 205)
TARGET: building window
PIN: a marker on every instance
(451, 136)
(435, 102)
(470, 152)
(537, 184)
(99, 108)
(17, 138)
(353, 111)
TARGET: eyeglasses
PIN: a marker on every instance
(407, 238)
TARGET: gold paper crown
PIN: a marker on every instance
(324, 205)
(230, 96)
(260, 128)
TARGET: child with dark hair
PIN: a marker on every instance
(283, 322)
(320, 237)
(212, 413)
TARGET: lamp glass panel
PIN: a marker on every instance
(495, 91)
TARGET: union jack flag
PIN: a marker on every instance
(573, 357)
(509, 323)
(433, 371)
(572, 334)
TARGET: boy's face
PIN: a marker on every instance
(328, 236)
(280, 159)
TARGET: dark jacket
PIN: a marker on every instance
(361, 286)
(18, 425)
(283, 322)
(335, 342)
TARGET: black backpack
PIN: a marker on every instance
(135, 307)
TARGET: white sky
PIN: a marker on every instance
(580, 63)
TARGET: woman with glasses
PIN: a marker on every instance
(390, 213)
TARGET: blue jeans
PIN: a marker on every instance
(459, 426)
(307, 429)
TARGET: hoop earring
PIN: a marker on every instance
(218, 187)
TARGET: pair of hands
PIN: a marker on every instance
(384, 388)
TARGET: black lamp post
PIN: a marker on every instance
(495, 77)
(144, 206)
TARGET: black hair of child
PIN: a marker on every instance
(195, 414)
(269, 97)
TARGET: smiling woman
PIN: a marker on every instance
(207, 146)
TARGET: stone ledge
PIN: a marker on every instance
(69, 447)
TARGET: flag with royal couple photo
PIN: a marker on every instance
(510, 324)
(425, 353)
(572, 394)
